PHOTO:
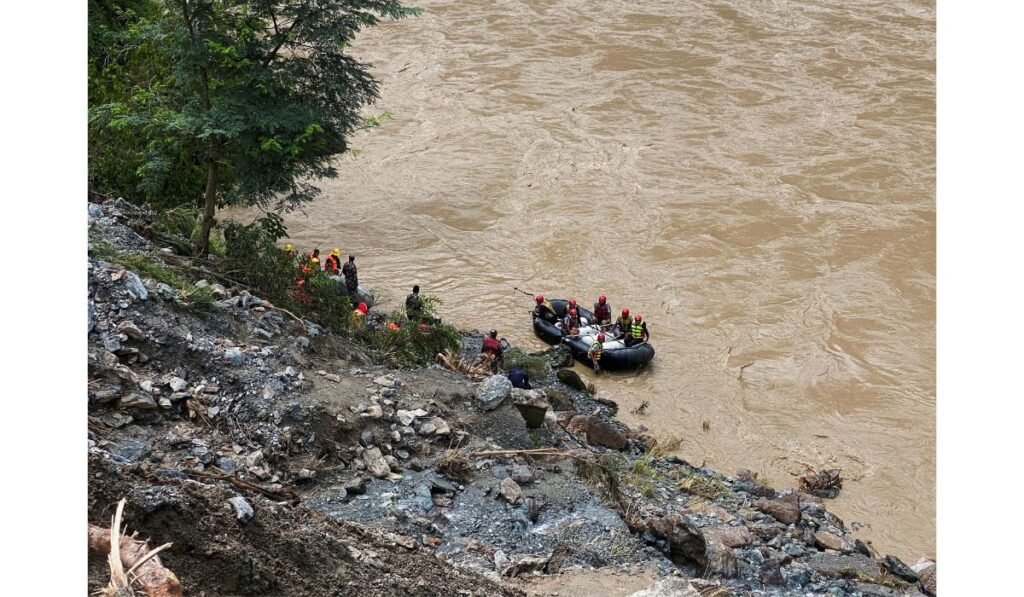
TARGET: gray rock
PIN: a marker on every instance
(899, 569)
(254, 459)
(832, 565)
(135, 287)
(427, 428)
(375, 463)
(132, 450)
(424, 499)
(600, 433)
(234, 356)
(827, 540)
(493, 391)
(374, 411)
(302, 343)
(785, 511)
(356, 486)
(218, 292)
(226, 464)
(928, 579)
(526, 564)
(521, 473)
(138, 401)
(243, 511)
(405, 417)
(178, 384)
(441, 426)
(387, 381)
(531, 405)
(511, 491)
(111, 343)
(501, 560)
(128, 328)
(571, 379)
(92, 316)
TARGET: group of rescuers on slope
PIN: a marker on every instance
(333, 266)
(631, 330)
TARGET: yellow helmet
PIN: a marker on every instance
(315, 260)
(336, 252)
(288, 247)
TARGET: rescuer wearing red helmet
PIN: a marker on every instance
(571, 324)
(595, 351)
(622, 324)
(544, 310)
(637, 332)
(602, 312)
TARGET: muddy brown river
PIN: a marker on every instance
(756, 178)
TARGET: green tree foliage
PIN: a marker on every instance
(247, 100)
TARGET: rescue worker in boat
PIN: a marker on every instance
(621, 326)
(332, 265)
(571, 323)
(637, 331)
(595, 351)
(544, 310)
(492, 346)
(414, 304)
(602, 312)
(350, 272)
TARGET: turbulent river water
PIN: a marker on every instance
(757, 178)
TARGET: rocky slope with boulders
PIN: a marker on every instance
(280, 459)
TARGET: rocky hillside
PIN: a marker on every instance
(280, 459)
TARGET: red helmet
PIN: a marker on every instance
(600, 337)
(625, 312)
(540, 298)
(639, 317)
(601, 299)
(572, 302)
(572, 311)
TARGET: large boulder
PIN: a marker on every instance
(511, 491)
(375, 463)
(493, 391)
(571, 379)
(899, 569)
(928, 580)
(135, 287)
(784, 511)
(827, 540)
(532, 405)
(600, 433)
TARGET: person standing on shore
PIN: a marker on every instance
(333, 263)
(351, 274)
(414, 304)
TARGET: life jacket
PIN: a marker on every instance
(623, 323)
(595, 351)
(637, 330)
(332, 264)
(546, 311)
(491, 345)
(602, 312)
(358, 318)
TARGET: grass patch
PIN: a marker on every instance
(145, 265)
(536, 367)
(643, 475)
(702, 485)
(558, 399)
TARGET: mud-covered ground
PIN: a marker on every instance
(365, 480)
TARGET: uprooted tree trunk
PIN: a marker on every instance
(144, 569)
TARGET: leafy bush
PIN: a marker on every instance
(413, 343)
